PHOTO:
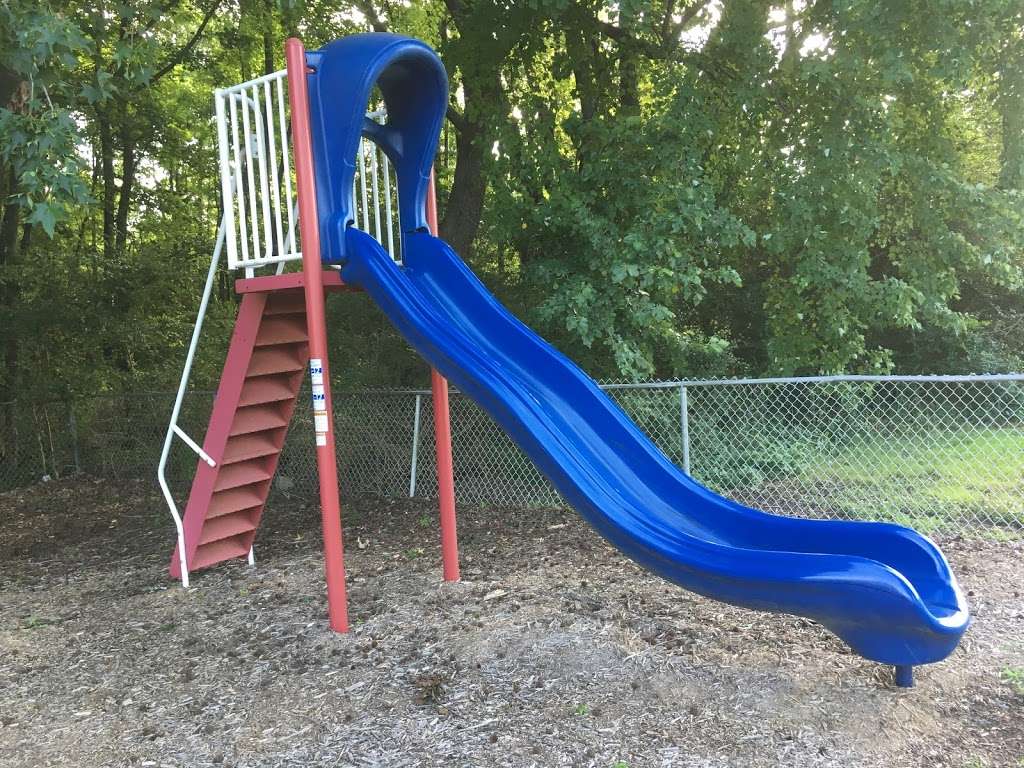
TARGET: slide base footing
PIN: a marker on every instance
(904, 676)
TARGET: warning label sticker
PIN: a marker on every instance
(316, 371)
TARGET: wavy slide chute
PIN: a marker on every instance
(884, 589)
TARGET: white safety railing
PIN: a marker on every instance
(258, 178)
(259, 227)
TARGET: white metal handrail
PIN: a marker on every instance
(173, 428)
(193, 445)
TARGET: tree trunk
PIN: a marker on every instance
(8, 296)
(1011, 108)
(466, 198)
(269, 45)
(26, 238)
(582, 55)
(478, 58)
(124, 200)
(484, 99)
(590, 69)
(109, 181)
(791, 54)
(629, 88)
(9, 221)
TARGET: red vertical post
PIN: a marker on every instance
(443, 441)
(323, 412)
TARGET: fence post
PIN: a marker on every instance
(415, 446)
(73, 429)
(684, 425)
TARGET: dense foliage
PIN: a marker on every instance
(662, 188)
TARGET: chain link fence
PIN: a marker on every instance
(938, 453)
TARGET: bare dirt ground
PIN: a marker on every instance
(553, 651)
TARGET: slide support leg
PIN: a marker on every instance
(904, 676)
(445, 481)
(443, 441)
(323, 411)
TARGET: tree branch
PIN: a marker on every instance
(455, 8)
(366, 8)
(668, 48)
(671, 38)
(184, 51)
(157, 18)
(457, 119)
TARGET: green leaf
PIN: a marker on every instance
(43, 214)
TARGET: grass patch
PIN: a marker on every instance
(931, 479)
(1014, 677)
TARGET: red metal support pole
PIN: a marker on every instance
(443, 442)
(312, 269)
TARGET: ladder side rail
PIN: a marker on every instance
(226, 180)
(374, 170)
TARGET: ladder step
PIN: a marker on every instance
(251, 415)
(286, 303)
(251, 446)
(267, 389)
(283, 359)
(282, 329)
(226, 526)
(256, 418)
(244, 473)
(218, 551)
(236, 499)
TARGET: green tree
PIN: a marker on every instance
(662, 188)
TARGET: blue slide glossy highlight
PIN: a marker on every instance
(884, 589)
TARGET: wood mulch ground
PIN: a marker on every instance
(554, 650)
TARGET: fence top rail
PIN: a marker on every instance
(921, 378)
(676, 383)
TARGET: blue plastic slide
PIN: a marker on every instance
(884, 589)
